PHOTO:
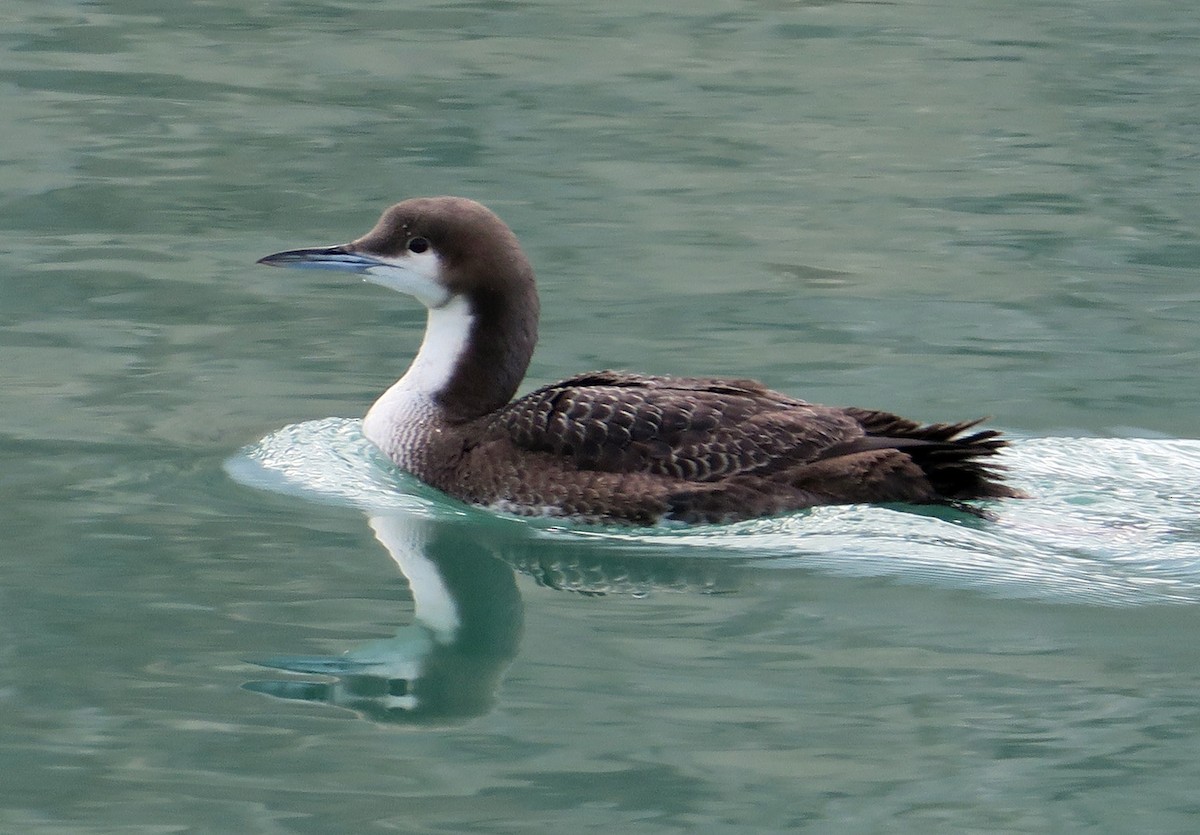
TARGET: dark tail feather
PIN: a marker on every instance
(956, 465)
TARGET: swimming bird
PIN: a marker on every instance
(612, 446)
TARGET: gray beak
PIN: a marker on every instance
(323, 258)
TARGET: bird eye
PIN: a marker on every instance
(418, 245)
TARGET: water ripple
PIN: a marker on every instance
(1110, 521)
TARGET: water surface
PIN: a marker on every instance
(945, 209)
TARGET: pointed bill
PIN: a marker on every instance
(322, 258)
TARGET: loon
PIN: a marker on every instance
(613, 446)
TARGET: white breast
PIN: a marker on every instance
(400, 421)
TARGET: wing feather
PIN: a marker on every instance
(694, 429)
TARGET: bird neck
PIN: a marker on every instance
(472, 360)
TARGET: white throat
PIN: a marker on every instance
(395, 421)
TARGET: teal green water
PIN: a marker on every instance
(220, 612)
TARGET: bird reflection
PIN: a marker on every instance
(446, 666)
(443, 667)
